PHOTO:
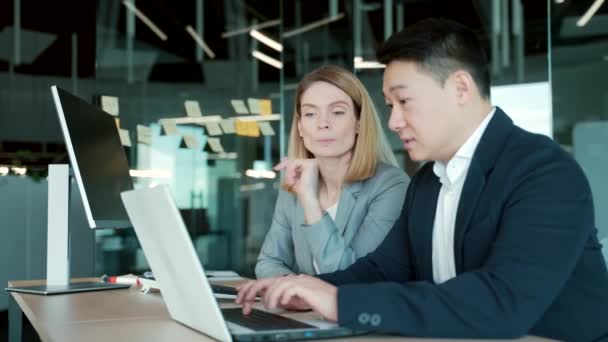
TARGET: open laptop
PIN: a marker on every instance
(185, 288)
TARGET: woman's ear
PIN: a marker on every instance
(299, 129)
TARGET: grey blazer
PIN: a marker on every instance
(366, 212)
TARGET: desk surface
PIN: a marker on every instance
(120, 315)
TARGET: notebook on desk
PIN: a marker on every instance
(185, 288)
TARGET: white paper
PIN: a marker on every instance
(266, 128)
(169, 127)
(221, 273)
(215, 145)
(109, 104)
(192, 108)
(239, 106)
(254, 105)
(125, 139)
(191, 142)
(227, 126)
(144, 134)
(213, 129)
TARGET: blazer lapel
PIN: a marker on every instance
(348, 199)
(422, 220)
(490, 145)
(473, 186)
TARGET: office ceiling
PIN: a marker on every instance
(88, 19)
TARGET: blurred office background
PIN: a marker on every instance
(549, 62)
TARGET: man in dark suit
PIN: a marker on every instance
(496, 237)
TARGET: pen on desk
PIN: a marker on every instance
(125, 279)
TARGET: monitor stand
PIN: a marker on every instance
(58, 241)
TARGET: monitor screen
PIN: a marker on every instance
(97, 159)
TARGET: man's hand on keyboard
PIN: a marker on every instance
(298, 292)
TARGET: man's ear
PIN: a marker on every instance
(464, 85)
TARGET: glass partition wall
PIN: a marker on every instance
(579, 68)
(199, 81)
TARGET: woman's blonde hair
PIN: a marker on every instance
(371, 144)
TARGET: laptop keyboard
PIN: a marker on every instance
(261, 320)
(225, 290)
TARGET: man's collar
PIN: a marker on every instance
(451, 171)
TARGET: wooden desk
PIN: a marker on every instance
(115, 315)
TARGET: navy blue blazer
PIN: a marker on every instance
(527, 257)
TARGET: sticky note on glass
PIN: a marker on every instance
(227, 126)
(193, 109)
(189, 141)
(266, 128)
(215, 145)
(254, 105)
(239, 106)
(109, 104)
(125, 139)
(241, 128)
(168, 127)
(144, 134)
(265, 107)
(213, 128)
(247, 128)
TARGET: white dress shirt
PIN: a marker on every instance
(332, 213)
(452, 176)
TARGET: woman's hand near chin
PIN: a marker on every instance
(302, 178)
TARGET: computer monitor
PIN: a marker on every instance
(100, 167)
(97, 159)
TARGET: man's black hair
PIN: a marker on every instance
(439, 47)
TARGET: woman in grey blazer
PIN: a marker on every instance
(342, 191)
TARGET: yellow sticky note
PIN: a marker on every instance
(265, 107)
(253, 130)
(240, 127)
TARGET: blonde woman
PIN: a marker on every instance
(343, 191)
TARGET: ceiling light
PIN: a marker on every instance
(145, 20)
(312, 25)
(265, 24)
(362, 64)
(19, 170)
(262, 38)
(267, 59)
(150, 173)
(200, 41)
(260, 174)
(590, 12)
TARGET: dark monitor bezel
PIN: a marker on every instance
(93, 223)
